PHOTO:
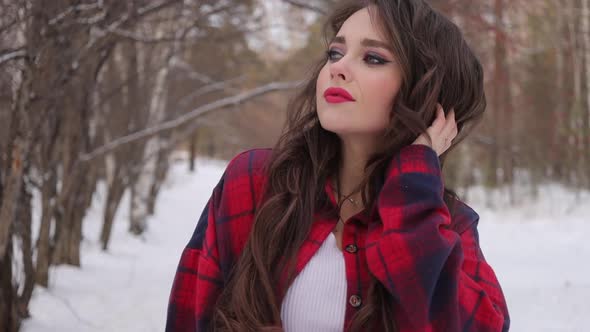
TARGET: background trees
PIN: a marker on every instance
(100, 93)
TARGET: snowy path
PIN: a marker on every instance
(542, 261)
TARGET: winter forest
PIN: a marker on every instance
(117, 119)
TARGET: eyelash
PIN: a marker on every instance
(380, 61)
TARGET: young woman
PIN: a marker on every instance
(345, 225)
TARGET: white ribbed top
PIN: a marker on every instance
(316, 300)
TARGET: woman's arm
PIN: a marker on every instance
(438, 278)
(198, 276)
(216, 242)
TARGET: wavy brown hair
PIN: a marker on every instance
(437, 67)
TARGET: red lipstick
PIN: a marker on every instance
(337, 95)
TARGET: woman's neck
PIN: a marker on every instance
(354, 153)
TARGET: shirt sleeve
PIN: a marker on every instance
(438, 278)
(198, 277)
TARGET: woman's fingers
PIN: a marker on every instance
(439, 120)
(449, 130)
(442, 131)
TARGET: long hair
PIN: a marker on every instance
(437, 66)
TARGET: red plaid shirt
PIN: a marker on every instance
(431, 264)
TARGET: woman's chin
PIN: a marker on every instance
(351, 131)
(342, 130)
(336, 127)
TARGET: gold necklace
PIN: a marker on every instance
(337, 229)
(348, 198)
(352, 201)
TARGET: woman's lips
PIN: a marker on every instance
(337, 95)
(336, 99)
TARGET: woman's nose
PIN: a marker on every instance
(340, 70)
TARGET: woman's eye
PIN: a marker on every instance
(370, 59)
(374, 60)
(331, 54)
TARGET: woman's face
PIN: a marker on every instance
(360, 63)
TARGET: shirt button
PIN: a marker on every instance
(355, 301)
(351, 248)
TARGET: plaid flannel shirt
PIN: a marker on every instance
(431, 264)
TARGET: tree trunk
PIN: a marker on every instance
(577, 69)
(11, 194)
(192, 151)
(8, 310)
(585, 109)
(80, 206)
(24, 222)
(557, 149)
(48, 192)
(493, 176)
(161, 170)
(115, 193)
(147, 176)
(68, 233)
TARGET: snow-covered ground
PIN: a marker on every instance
(540, 252)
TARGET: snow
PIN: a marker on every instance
(538, 251)
(541, 255)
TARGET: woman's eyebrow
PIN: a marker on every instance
(365, 42)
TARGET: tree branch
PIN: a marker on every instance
(167, 125)
(75, 9)
(100, 33)
(12, 55)
(307, 6)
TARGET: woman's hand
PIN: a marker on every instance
(442, 131)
